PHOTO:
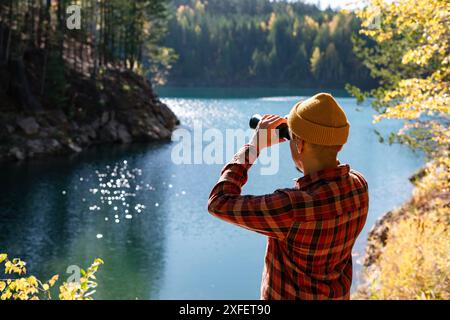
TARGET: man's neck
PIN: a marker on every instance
(313, 167)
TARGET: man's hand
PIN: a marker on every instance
(265, 134)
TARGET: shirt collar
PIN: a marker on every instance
(326, 174)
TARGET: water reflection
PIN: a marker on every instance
(46, 222)
(173, 248)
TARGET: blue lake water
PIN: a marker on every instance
(156, 237)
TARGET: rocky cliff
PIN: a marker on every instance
(118, 107)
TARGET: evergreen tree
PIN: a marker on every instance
(316, 62)
(262, 42)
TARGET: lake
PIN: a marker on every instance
(146, 216)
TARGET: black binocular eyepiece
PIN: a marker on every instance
(283, 128)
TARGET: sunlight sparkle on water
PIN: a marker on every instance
(114, 188)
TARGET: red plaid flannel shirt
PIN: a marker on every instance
(311, 228)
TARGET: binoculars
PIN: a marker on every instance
(283, 128)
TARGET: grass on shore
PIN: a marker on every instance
(414, 260)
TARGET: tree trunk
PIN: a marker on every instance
(46, 44)
(20, 87)
(2, 36)
(8, 45)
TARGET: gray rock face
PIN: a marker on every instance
(53, 145)
(10, 128)
(17, 153)
(105, 118)
(123, 134)
(28, 125)
(35, 146)
(90, 131)
(134, 115)
(74, 147)
(109, 131)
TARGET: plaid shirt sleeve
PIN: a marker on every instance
(270, 214)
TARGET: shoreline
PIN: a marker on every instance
(96, 117)
(390, 245)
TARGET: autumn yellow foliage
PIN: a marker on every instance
(414, 263)
(17, 286)
(410, 54)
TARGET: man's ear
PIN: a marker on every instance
(300, 144)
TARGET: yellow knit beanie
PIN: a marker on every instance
(319, 120)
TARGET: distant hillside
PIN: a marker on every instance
(261, 42)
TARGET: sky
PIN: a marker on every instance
(342, 4)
